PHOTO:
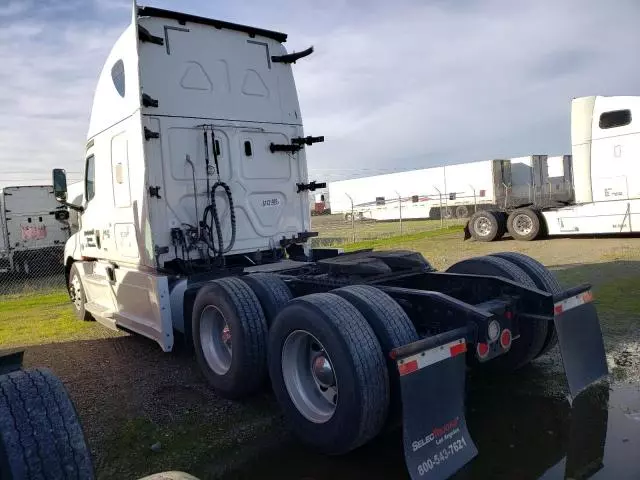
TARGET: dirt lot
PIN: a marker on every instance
(131, 396)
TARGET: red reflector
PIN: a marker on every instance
(587, 296)
(505, 338)
(458, 349)
(407, 368)
(392, 355)
(482, 349)
(557, 309)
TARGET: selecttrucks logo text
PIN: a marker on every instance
(448, 430)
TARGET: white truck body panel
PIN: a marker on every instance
(146, 172)
(606, 168)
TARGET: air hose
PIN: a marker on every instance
(212, 211)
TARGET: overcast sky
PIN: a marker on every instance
(393, 85)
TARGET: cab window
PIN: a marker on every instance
(89, 178)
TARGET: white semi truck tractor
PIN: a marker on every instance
(605, 142)
(194, 225)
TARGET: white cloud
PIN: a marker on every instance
(392, 85)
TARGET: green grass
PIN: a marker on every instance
(620, 296)
(37, 319)
(401, 240)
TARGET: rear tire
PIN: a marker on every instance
(271, 291)
(447, 213)
(230, 337)
(532, 332)
(356, 373)
(544, 280)
(485, 226)
(389, 322)
(40, 435)
(524, 224)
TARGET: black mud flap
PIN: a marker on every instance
(580, 339)
(432, 379)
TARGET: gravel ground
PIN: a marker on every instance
(130, 396)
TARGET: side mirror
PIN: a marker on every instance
(60, 184)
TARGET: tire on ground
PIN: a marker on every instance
(231, 302)
(485, 226)
(446, 212)
(462, 211)
(79, 305)
(389, 322)
(544, 279)
(40, 434)
(359, 365)
(271, 291)
(524, 224)
(532, 332)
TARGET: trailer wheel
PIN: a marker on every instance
(524, 224)
(271, 291)
(447, 213)
(40, 435)
(328, 373)
(230, 337)
(462, 211)
(77, 295)
(484, 226)
(532, 332)
(544, 280)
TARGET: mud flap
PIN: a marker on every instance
(432, 380)
(580, 339)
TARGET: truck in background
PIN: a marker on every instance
(33, 230)
(455, 191)
(605, 180)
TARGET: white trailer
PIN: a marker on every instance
(455, 190)
(195, 219)
(33, 230)
(603, 196)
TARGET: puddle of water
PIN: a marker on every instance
(519, 436)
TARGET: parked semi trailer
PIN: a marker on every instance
(605, 138)
(33, 230)
(456, 191)
(195, 224)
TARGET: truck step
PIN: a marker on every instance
(102, 315)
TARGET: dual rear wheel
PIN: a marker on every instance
(522, 224)
(327, 354)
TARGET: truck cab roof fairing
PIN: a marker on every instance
(185, 17)
(117, 94)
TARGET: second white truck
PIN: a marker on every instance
(33, 230)
(605, 143)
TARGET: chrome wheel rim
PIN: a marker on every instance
(522, 224)
(215, 339)
(75, 291)
(309, 376)
(482, 226)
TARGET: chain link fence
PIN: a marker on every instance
(34, 228)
